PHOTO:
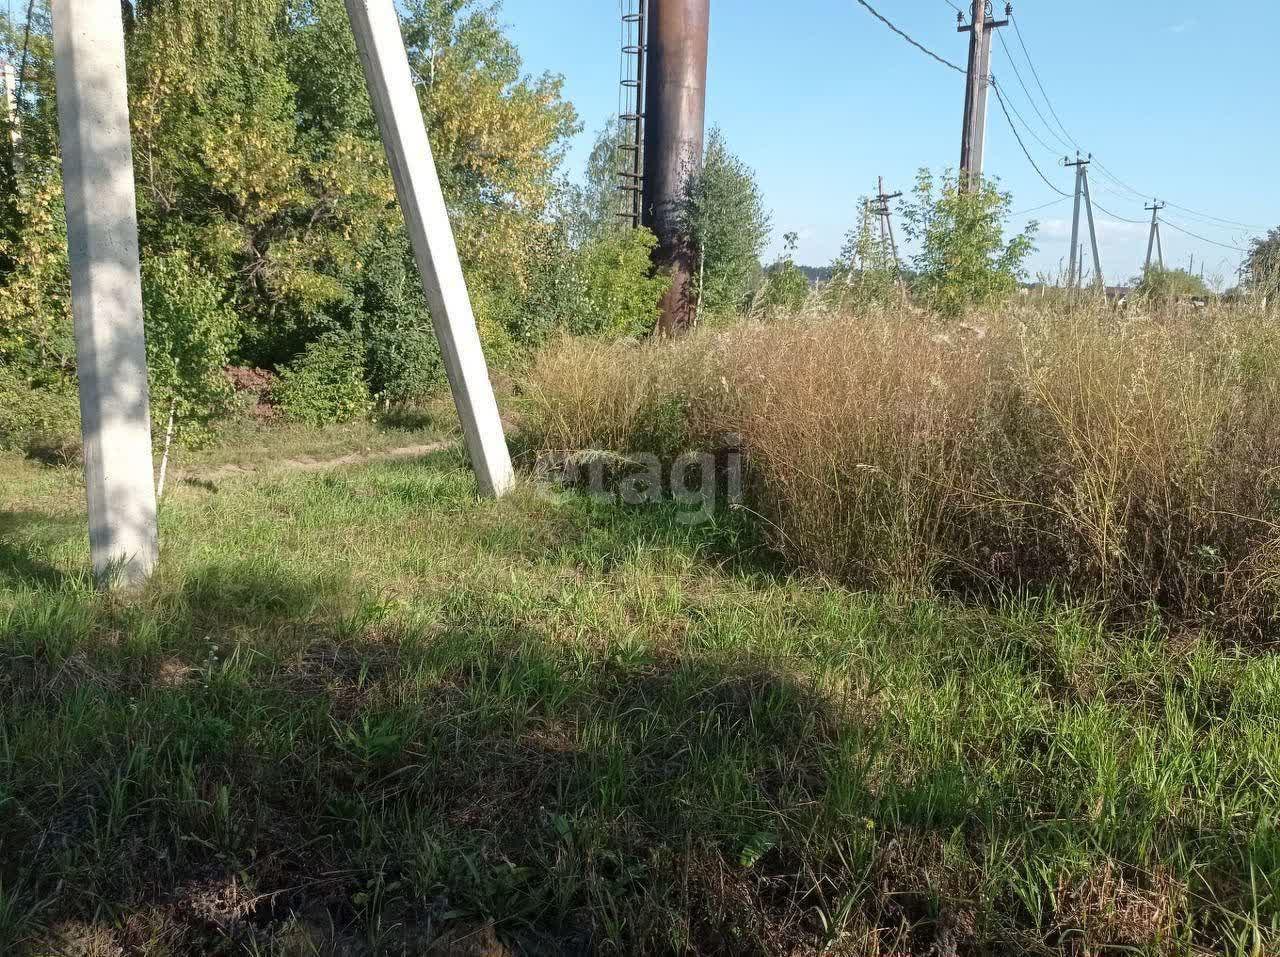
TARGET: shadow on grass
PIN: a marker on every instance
(256, 759)
(329, 758)
(25, 537)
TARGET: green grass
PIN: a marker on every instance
(361, 709)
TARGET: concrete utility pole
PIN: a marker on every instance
(395, 103)
(106, 288)
(973, 136)
(885, 215)
(1154, 243)
(1082, 193)
(674, 131)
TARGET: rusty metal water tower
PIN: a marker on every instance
(664, 123)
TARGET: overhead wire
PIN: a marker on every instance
(1203, 239)
(910, 39)
(1103, 209)
(1036, 75)
(1018, 136)
(1025, 89)
(1036, 209)
(1028, 128)
(1006, 108)
(1217, 219)
(1102, 168)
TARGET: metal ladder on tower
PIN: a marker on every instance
(635, 17)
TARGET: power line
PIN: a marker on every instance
(1217, 219)
(1202, 239)
(1213, 222)
(1036, 209)
(1053, 150)
(1025, 152)
(915, 43)
(1006, 107)
(1101, 167)
(1103, 209)
(1030, 98)
(1036, 74)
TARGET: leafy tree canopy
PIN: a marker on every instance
(259, 166)
(1170, 284)
(1262, 268)
(724, 215)
(963, 259)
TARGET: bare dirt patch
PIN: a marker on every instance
(211, 477)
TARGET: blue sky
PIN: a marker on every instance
(1176, 99)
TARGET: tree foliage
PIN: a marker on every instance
(1262, 268)
(1167, 285)
(724, 215)
(786, 286)
(963, 259)
(591, 208)
(190, 334)
(262, 180)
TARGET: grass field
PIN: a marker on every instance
(361, 711)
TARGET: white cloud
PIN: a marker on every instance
(1184, 26)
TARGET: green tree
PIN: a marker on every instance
(786, 287)
(591, 207)
(866, 272)
(1262, 268)
(259, 165)
(964, 260)
(190, 335)
(1169, 284)
(724, 215)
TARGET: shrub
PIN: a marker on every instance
(402, 355)
(866, 273)
(786, 287)
(1130, 464)
(43, 423)
(620, 293)
(963, 260)
(191, 332)
(723, 214)
(1169, 285)
(326, 384)
(1262, 268)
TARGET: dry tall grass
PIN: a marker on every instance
(1132, 459)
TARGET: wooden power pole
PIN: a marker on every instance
(973, 136)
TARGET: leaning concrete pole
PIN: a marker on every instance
(674, 130)
(106, 288)
(395, 102)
